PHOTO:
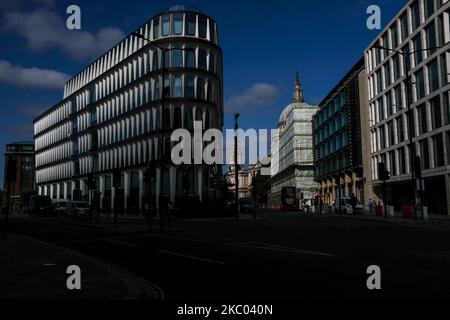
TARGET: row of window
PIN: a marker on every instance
(426, 81)
(56, 172)
(339, 121)
(149, 121)
(337, 162)
(428, 116)
(436, 33)
(53, 136)
(196, 26)
(184, 24)
(331, 108)
(175, 87)
(57, 115)
(148, 62)
(332, 145)
(54, 154)
(431, 150)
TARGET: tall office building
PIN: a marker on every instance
(421, 33)
(117, 115)
(291, 152)
(23, 153)
(341, 140)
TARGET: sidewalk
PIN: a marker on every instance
(443, 221)
(36, 270)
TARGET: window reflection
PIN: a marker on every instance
(190, 59)
(177, 58)
(156, 28)
(190, 24)
(202, 21)
(202, 59)
(177, 87)
(201, 89)
(177, 23)
(189, 88)
(165, 25)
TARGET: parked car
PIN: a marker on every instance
(77, 210)
(41, 206)
(346, 206)
(59, 206)
(245, 205)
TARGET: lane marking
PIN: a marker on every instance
(190, 257)
(204, 239)
(122, 243)
(273, 247)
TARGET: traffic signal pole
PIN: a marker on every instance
(11, 172)
(8, 195)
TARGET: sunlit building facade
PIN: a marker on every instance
(118, 113)
(421, 30)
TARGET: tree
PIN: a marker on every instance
(260, 188)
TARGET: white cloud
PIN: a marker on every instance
(31, 77)
(43, 29)
(258, 95)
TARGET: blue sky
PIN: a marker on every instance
(264, 44)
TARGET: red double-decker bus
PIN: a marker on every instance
(289, 199)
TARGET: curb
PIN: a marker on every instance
(138, 288)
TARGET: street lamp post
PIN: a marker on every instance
(236, 165)
(164, 50)
(410, 114)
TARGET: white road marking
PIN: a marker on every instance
(123, 243)
(273, 247)
(202, 239)
(191, 257)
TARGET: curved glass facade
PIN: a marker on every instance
(115, 112)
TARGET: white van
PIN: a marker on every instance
(346, 206)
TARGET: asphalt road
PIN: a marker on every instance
(281, 256)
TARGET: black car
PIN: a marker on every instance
(41, 206)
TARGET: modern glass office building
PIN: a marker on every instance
(117, 115)
(421, 32)
(340, 140)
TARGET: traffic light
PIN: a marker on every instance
(11, 170)
(417, 167)
(383, 174)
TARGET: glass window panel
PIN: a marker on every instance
(433, 76)
(189, 90)
(190, 59)
(177, 58)
(156, 28)
(190, 24)
(165, 25)
(202, 21)
(202, 59)
(201, 89)
(177, 87)
(178, 23)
